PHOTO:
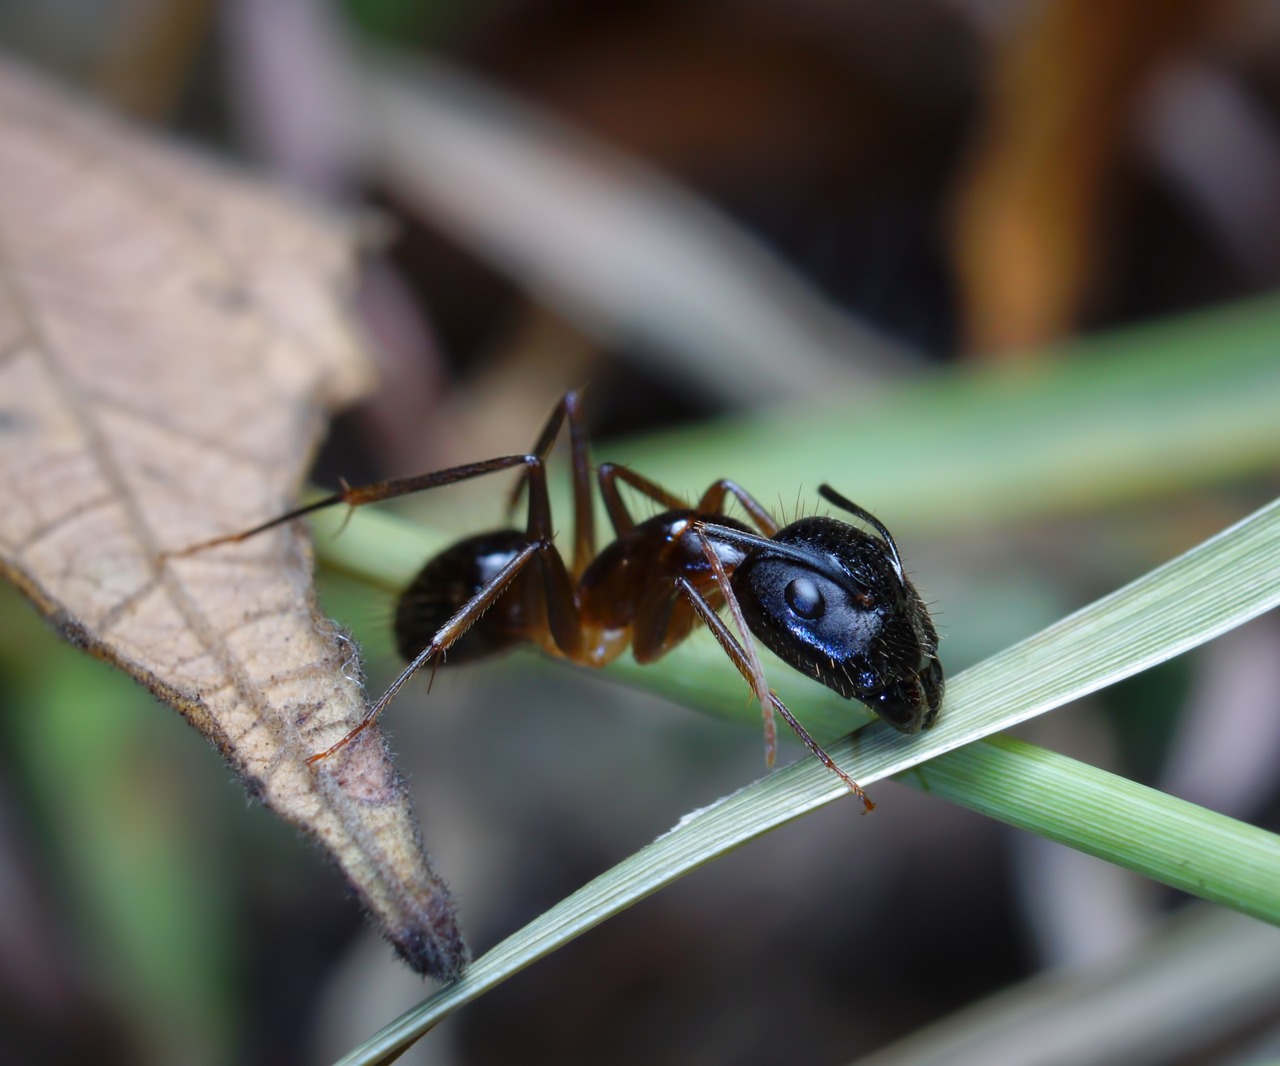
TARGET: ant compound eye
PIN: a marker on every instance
(805, 598)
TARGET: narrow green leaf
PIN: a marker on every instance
(1167, 839)
(1125, 416)
(1144, 411)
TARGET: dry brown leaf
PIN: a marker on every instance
(170, 338)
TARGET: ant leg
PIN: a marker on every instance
(712, 502)
(610, 474)
(584, 505)
(560, 592)
(379, 491)
(560, 599)
(755, 675)
(445, 637)
(561, 602)
(584, 518)
(372, 493)
(735, 652)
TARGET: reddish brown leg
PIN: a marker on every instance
(755, 671)
(373, 493)
(561, 597)
(738, 656)
(610, 474)
(558, 589)
(584, 517)
(584, 507)
(445, 636)
(380, 491)
(712, 502)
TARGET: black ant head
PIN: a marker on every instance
(833, 601)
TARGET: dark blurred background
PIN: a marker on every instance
(892, 189)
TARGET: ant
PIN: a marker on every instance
(828, 598)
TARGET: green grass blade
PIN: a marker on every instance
(1219, 584)
(1166, 839)
(1122, 417)
(1137, 413)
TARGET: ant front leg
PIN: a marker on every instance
(711, 503)
(748, 665)
(734, 650)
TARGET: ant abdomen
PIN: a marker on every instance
(447, 582)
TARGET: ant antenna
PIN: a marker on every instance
(831, 496)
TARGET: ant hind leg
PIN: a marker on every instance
(444, 638)
(375, 492)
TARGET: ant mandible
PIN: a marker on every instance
(828, 598)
